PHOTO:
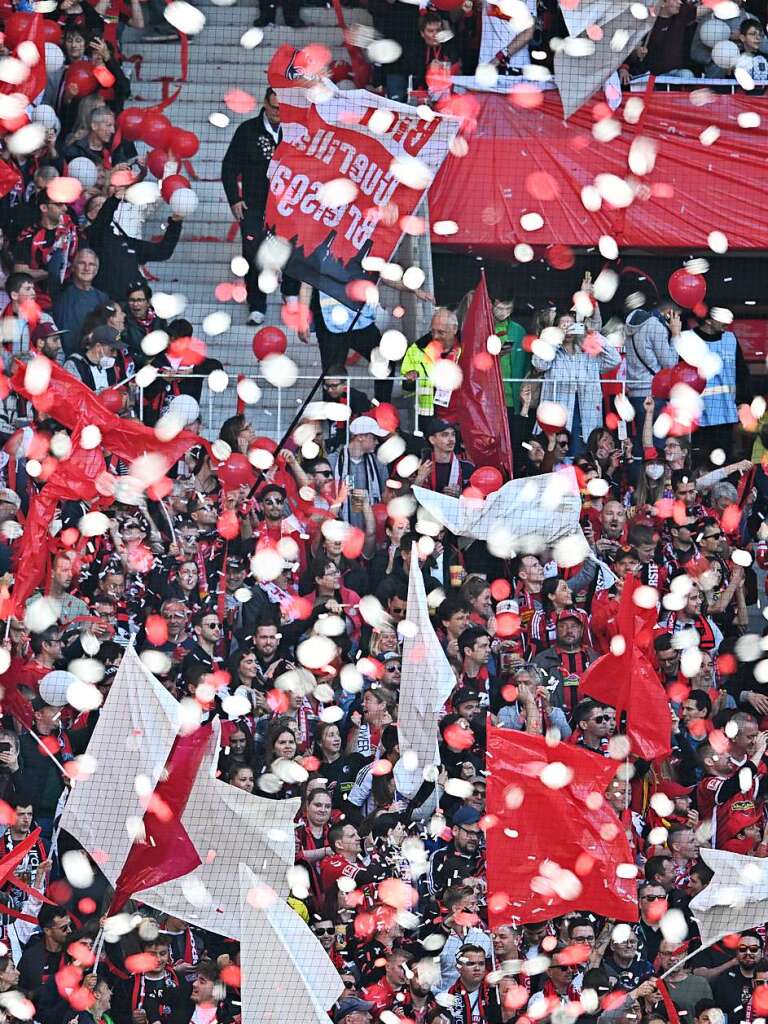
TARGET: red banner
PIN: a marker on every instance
(478, 407)
(554, 843)
(384, 154)
(166, 851)
(530, 161)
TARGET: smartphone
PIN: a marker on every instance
(5, 747)
(621, 430)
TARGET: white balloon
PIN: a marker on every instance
(714, 31)
(54, 686)
(184, 17)
(725, 54)
(84, 170)
(54, 58)
(183, 202)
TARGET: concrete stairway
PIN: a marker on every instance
(202, 260)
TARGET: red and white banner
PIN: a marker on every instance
(486, 193)
(385, 154)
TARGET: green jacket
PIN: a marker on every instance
(515, 362)
(417, 359)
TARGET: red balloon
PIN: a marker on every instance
(662, 382)
(80, 78)
(112, 400)
(171, 183)
(269, 341)
(686, 289)
(183, 144)
(131, 122)
(17, 28)
(156, 162)
(51, 31)
(684, 373)
(264, 443)
(486, 479)
(156, 129)
(235, 472)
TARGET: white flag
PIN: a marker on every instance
(130, 745)
(426, 683)
(286, 975)
(524, 514)
(578, 75)
(735, 899)
(227, 826)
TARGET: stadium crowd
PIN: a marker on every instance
(221, 583)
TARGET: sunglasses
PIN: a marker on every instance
(324, 931)
(754, 950)
(212, 625)
(599, 719)
(652, 899)
(713, 536)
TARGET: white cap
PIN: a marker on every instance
(366, 425)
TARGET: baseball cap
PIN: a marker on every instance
(467, 816)
(352, 1004)
(735, 823)
(43, 331)
(651, 455)
(673, 789)
(462, 694)
(366, 425)
(434, 424)
(568, 613)
(104, 335)
(625, 551)
(10, 497)
(390, 656)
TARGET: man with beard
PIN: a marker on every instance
(462, 857)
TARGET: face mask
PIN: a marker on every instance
(654, 472)
(107, 362)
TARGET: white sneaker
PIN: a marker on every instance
(255, 317)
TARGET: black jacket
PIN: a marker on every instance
(246, 162)
(120, 255)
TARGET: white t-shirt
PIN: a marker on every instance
(498, 33)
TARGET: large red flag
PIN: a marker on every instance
(73, 404)
(166, 852)
(554, 843)
(478, 406)
(628, 682)
(72, 480)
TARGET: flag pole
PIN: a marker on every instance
(690, 956)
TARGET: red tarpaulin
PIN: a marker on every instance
(530, 161)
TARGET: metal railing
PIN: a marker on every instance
(281, 406)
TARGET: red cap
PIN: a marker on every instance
(569, 613)
(673, 789)
(650, 454)
(736, 822)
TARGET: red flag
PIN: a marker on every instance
(478, 406)
(167, 852)
(75, 405)
(72, 480)
(35, 81)
(629, 683)
(554, 843)
(9, 178)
